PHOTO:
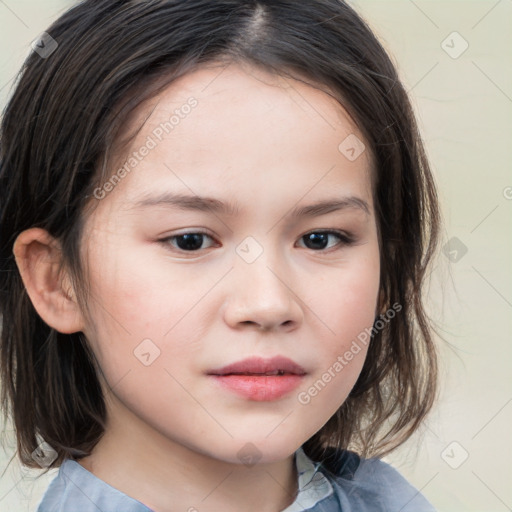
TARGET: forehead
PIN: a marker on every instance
(222, 88)
(246, 129)
(247, 89)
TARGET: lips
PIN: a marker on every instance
(278, 365)
(260, 379)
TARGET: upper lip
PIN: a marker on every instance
(261, 366)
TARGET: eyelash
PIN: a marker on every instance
(345, 240)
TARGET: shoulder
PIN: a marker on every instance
(75, 488)
(368, 485)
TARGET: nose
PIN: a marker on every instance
(260, 296)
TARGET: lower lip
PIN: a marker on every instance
(260, 388)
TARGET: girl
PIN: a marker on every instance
(216, 219)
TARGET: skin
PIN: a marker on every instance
(269, 144)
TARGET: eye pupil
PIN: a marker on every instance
(190, 241)
(317, 240)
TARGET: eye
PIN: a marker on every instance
(193, 241)
(319, 240)
(189, 242)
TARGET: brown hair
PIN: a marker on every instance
(61, 123)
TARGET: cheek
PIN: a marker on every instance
(129, 288)
(348, 299)
(350, 315)
(136, 297)
(346, 304)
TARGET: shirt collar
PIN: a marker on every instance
(313, 486)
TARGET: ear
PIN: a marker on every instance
(38, 256)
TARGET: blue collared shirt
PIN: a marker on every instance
(352, 484)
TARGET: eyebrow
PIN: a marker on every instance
(210, 204)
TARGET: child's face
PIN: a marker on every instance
(254, 286)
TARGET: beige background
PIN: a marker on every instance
(464, 105)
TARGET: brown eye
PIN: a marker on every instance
(319, 240)
(188, 242)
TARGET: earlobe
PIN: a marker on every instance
(38, 257)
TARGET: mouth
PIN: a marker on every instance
(278, 365)
(260, 379)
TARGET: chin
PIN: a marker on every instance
(254, 450)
